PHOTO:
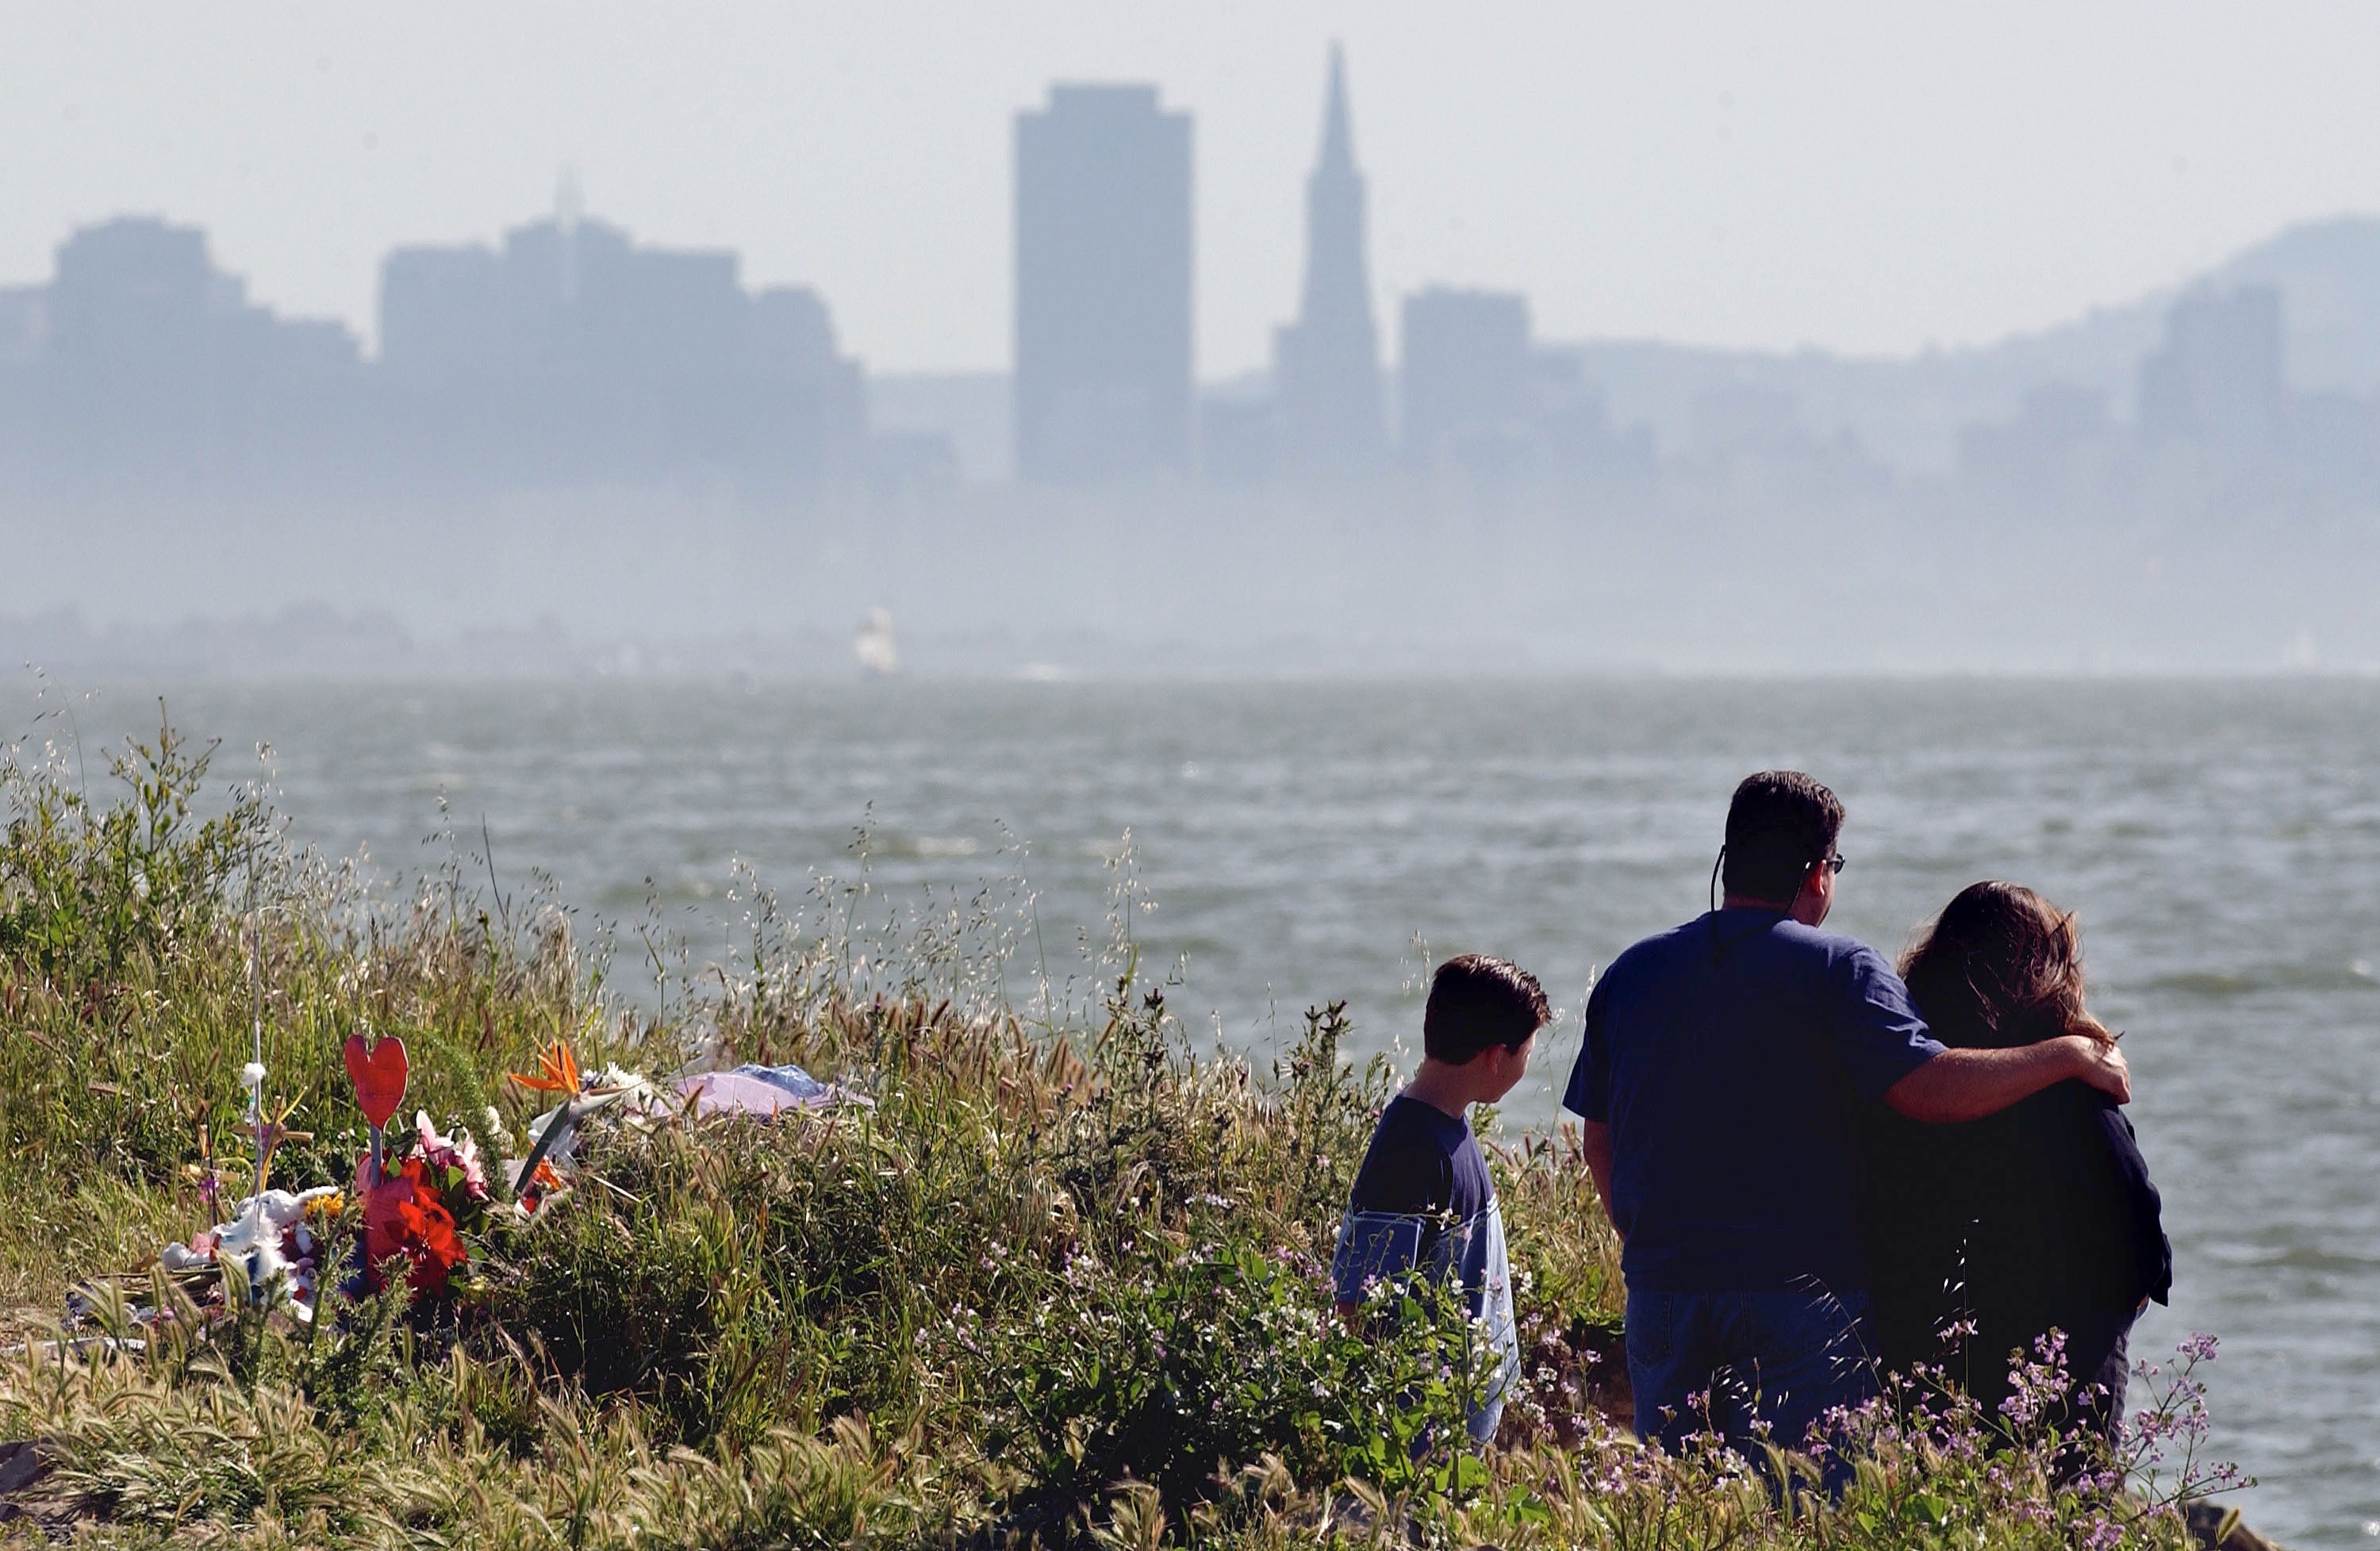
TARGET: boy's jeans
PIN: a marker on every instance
(1783, 1357)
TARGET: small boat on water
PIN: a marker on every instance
(874, 646)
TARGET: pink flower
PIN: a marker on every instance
(446, 1152)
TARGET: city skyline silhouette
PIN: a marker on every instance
(576, 422)
(1858, 180)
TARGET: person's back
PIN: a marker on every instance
(1422, 1203)
(1727, 1056)
(2039, 1217)
(1723, 1066)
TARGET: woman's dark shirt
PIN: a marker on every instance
(2036, 1218)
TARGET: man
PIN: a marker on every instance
(1723, 1066)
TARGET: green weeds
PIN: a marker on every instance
(1060, 1282)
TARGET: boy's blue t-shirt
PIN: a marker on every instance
(1423, 1202)
(1729, 1057)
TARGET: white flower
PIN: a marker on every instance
(252, 1074)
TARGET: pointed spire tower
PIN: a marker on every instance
(1327, 365)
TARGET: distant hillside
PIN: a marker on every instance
(2328, 273)
(1908, 410)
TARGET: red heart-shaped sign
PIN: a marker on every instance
(378, 1072)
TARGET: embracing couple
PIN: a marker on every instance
(1817, 1166)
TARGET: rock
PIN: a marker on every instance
(2217, 1527)
(25, 1466)
(22, 1465)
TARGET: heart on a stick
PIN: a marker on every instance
(378, 1072)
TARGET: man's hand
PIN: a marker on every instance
(1967, 1085)
(2103, 1066)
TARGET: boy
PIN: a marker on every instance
(1422, 1200)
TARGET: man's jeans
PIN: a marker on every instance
(1722, 1362)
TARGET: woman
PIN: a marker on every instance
(2040, 1217)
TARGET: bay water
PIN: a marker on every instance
(1305, 842)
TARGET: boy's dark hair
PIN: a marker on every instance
(1779, 824)
(1476, 1001)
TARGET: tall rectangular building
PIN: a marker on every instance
(1103, 352)
(1466, 370)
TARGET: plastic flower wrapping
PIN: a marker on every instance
(277, 1238)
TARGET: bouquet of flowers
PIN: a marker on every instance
(411, 1212)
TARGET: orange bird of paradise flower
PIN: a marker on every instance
(557, 1072)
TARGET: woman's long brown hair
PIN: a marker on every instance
(2000, 966)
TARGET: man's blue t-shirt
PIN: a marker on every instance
(1728, 1057)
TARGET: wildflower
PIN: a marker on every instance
(2099, 1535)
(209, 1180)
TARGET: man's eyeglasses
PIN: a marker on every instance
(1833, 864)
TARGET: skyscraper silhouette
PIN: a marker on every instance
(572, 354)
(1327, 365)
(1467, 372)
(1103, 385)
(155, 370)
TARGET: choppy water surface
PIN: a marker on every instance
(2221, 842)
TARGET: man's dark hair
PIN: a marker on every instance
(1781, 823)
(1476, 1001)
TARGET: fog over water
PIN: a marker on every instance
(1302, 841)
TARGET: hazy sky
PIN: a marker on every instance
(1867, 177)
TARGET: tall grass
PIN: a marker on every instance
(1060, 1282)
(143, 945)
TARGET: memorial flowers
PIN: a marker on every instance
(277, 1237)
(405, 1217)
(421, 1210)
(416, 1211)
